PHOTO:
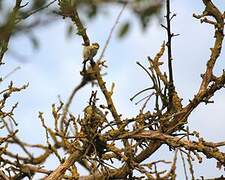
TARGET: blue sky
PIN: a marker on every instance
(54, 70)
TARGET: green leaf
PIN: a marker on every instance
(124, 29)
(69, 31)
(38, 3)
(92, 11)
(34, 42)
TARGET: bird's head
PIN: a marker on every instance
(95, 45)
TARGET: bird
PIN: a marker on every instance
(90, 51)
(94, 116)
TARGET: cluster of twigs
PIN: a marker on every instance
(117, 148)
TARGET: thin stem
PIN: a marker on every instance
(36, 11)
(111, 31)
(169, 49)
(184, 165)
(146, 89)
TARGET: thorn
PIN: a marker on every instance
(172, 16)
(24, 5)
(149, 58)
(174, 35)
(164, 26)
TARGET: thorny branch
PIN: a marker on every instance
(178, 120)
(169, 52)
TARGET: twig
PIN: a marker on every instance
(146, 89)
(69, 101)
(169, 50)
(80, 28)
(2, 175)
(189, 159)
(111, 31)
(18, 141)
(10, 73)
(172, 172)
(35, 11)
(213, 11)
(184, 165)
(61, 169)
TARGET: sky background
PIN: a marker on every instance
(54, 70)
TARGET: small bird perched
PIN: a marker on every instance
(90, 51)
(94, 116)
